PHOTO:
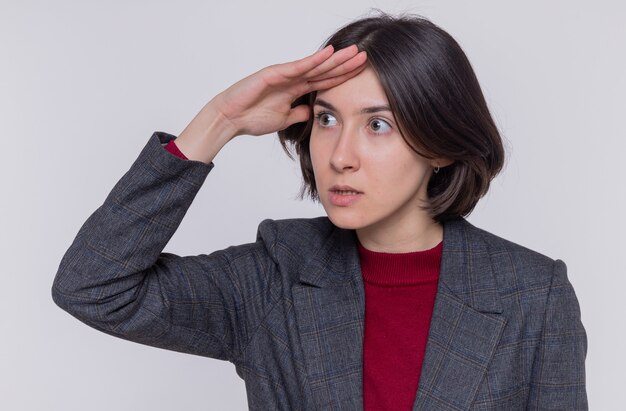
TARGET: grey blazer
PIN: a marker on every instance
(288, 309)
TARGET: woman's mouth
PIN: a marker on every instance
(343, 196)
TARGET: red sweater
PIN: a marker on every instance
(400, 294)
(399, 298)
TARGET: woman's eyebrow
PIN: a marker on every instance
(366, 110)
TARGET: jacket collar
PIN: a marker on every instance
(465, 265)
(464, 331)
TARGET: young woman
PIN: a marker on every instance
(393, 301)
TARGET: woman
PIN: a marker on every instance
(393, 301)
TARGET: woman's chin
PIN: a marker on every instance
(344, 221)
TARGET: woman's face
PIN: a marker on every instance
(367, 177)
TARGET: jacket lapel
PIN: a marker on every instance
(330, 310)
(466, 325)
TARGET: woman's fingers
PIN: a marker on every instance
(299, 67)
(333, 81)
(340, 74)
(298, 114)
(342, 69)
(317, 63)
(337, 59)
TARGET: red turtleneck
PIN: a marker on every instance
(399, 298)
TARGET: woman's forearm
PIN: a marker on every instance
(206, 134)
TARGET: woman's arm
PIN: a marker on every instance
(558, 375)
(115, 277)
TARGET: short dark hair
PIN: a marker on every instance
(436, 100)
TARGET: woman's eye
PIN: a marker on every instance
(326, 119)
(379, 126)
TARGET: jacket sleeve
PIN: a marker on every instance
(558, 374)
(115, 278)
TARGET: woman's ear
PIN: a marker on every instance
(441, 162)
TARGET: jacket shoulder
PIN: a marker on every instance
(498, 244)
(295, 239)
(528, 267)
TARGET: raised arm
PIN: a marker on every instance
(115, 277)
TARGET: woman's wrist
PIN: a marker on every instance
(206, 134)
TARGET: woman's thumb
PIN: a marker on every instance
(298, 114)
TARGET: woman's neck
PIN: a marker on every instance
(424, 234)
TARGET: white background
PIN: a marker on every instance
(83, 85)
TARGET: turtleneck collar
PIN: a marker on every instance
(400, 269)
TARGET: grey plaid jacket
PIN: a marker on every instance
(288, 309)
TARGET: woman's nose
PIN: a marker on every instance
(344, 157)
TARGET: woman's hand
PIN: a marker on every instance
(261, 103)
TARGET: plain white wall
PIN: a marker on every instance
(83, 84)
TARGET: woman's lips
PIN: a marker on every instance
(343, 196)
